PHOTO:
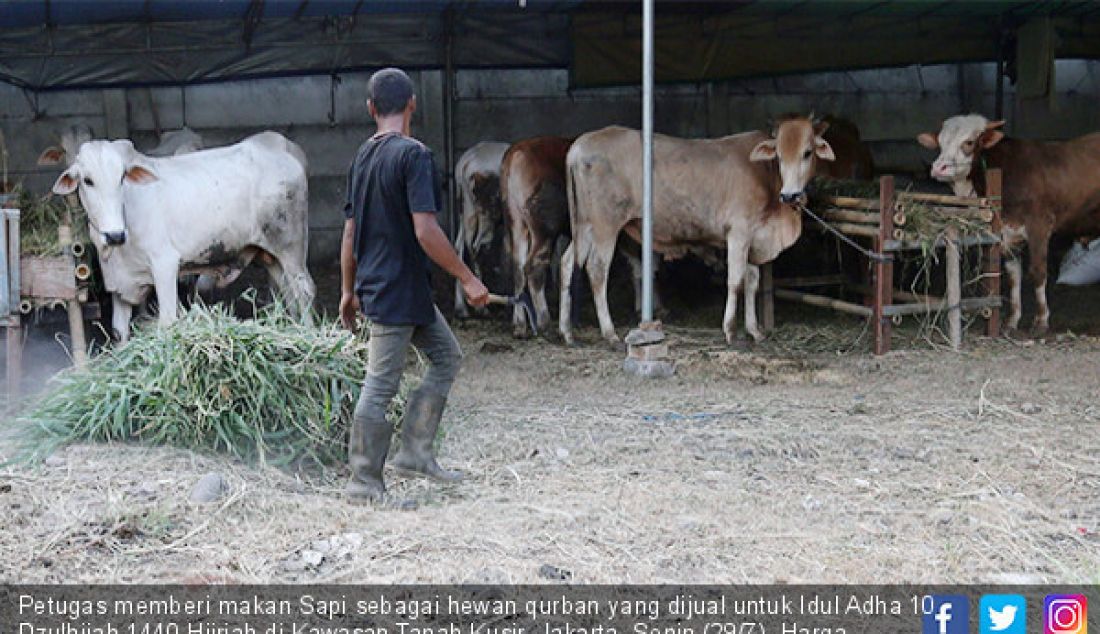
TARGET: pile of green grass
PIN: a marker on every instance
(267, 389)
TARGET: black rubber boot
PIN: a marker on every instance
(418, 428)
(368, 444)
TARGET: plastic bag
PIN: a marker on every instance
(1081, 265)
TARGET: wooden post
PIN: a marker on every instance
(15, 361)
(883, 269)
(991, 267)
(76, 314)
(954, 287)
(767, 305)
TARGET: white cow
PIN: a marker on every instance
(478, 176)
(151, 218)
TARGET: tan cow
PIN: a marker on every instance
(1049, 187)
(735, 192)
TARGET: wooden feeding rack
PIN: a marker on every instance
(30, 282)
(882, 222)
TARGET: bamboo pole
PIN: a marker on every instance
(991, 264)
(884, 269)
(967, 304)
(944, 199)
(76, 314)
(849, 202)
(851, 215)
(867, 231)
(954, 289)
(823, 301)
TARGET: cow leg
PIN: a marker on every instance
(538, 268)
(121, 311)
(1014, 272)
(1037, 244)
(752, 285)
(460, 298)
(520, 253)
(293, 281)
(565, 295)
(165, 274)
(737, 259)
(598, 267)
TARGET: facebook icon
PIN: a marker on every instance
(949, 614)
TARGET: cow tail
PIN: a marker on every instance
(582, 240)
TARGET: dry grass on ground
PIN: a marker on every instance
(771, 466)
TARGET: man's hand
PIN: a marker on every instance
(476, 293)
(349, 311)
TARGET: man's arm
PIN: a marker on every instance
(439, 249)
(349, 303)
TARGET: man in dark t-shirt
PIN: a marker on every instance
(390, 234)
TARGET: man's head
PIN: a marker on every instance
(389, 93)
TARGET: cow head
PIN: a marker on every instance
(960, 141)
(797, 145)
(69, 144)
(100, 172)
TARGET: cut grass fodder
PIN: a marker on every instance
(267, 389)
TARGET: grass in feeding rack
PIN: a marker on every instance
(39, 219)
(267, 389)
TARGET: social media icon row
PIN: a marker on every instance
(1005, 614)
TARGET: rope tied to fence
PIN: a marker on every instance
(872, 255)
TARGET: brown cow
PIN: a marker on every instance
(853, 157)
(1049, 187)
(532, 184)
(734, 192)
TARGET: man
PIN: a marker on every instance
(390, 233)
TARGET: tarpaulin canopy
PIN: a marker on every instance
(707, 41)
(48, 44)
(51, 44)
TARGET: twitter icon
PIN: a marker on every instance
(1003, 614)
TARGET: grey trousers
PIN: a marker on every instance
(387, 350)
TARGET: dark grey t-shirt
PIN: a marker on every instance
(391, 178)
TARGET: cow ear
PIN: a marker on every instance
(991, 137)
(928, 140)
(823, 150)
(67, 182)
(993, 125)
(51, 156)
(140, 175)
(764, 151)
(820, 127)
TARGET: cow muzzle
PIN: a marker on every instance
(114, 238)
(789, 199)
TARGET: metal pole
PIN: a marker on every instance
(647, 160)
(448, 124)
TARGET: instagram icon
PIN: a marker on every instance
(1065, 614)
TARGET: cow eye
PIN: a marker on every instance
(968, 145)
(806, 154)
(88, 182)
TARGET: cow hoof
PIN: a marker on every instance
(739, 343)
(615, 344)
(1038, 331)
(569, 341)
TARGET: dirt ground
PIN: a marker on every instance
(769, 465)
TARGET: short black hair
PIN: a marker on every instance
(390, 90)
